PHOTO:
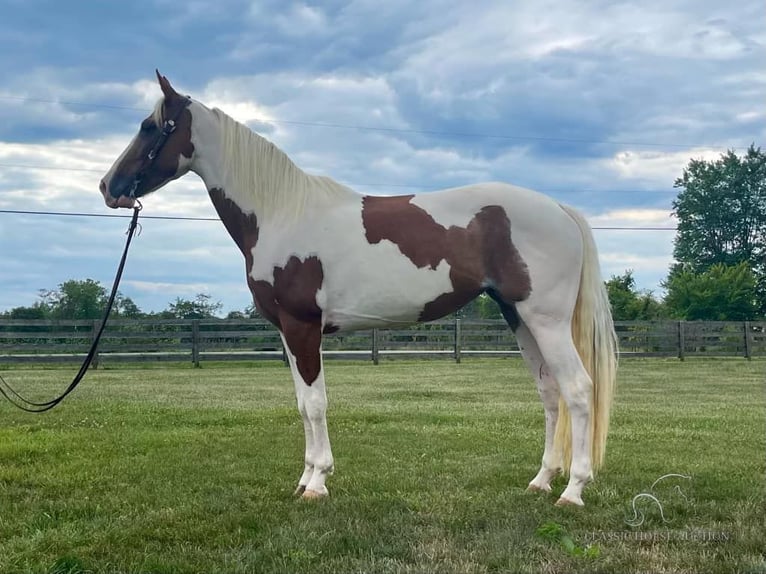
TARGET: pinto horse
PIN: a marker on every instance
(321, 258)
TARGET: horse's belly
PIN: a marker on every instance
(384, 291)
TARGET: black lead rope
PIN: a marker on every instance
(32, 407)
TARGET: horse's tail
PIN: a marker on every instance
(596, 342)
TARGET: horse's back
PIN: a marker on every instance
(524, 207)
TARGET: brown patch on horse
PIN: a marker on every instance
(263, 297)
(414, 231)
(296, 285)
(243, 228)
(291, 299)
(480, 255)
(304, 341)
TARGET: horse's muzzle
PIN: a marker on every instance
(115, 202)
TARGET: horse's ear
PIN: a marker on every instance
(167, 89)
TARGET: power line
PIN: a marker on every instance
(182, 218)
(387, 129)
(349, 183)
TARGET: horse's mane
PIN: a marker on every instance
(261, 175)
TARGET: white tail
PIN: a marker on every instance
(596, 342)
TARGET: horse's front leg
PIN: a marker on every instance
(302, 342)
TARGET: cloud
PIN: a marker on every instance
(634, 218)
(655, 168)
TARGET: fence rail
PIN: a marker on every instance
(230, 339)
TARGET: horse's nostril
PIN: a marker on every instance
(102, 186)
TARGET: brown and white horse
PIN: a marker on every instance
(321, 258)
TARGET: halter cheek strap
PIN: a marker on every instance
(168, 127)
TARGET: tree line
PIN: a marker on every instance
(87, 299)
(719, 271)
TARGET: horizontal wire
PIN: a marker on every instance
(183, 218)
(387, 129)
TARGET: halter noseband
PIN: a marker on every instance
(168, 127)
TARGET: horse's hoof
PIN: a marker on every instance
(313, 495)
(300, 490)
(569, 502)
(535, 488)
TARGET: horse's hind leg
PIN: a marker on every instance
(554, 340)
(548, 389)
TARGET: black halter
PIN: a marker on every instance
(168, 127)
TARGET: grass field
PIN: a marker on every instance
(180, 470)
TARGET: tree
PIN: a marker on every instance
(721, 211)
(37, 311)
(628, 303)
(76, 300)
(202, 307)
(236, 315)
(125, 307)
(721, 293)
(249, 312)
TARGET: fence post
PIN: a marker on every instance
(195, 342)
(375, 347)
(458, 341)
(748, 341)
(681, 340)
(93, 335)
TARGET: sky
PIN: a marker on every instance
(598, 104)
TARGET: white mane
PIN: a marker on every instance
(259, 173)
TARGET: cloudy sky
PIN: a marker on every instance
(599, 104)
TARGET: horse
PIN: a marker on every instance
(321, 258)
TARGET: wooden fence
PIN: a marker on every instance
(215, 339)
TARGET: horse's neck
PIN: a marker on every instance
(259, 177)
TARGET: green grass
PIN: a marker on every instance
(180, 470)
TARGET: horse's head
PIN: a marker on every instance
(160, 152)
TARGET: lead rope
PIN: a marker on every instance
(32, 407)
